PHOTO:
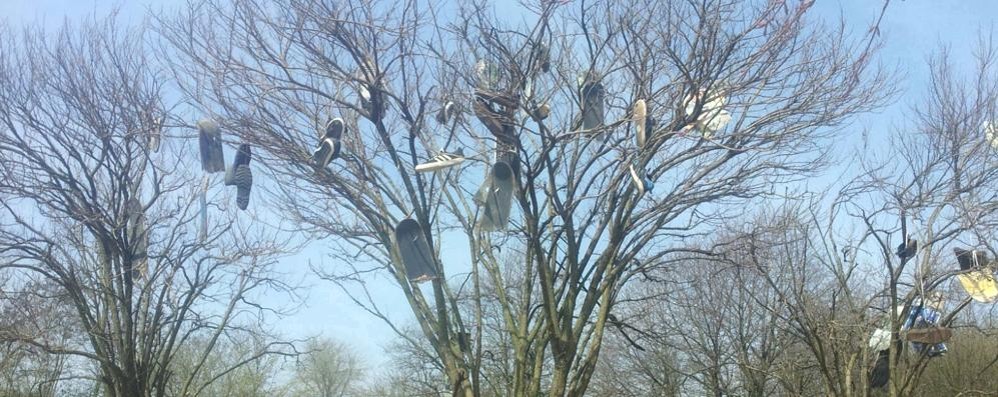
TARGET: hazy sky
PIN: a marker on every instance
(911, 28)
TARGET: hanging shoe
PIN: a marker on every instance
(714, 123)
(712, 116)
(441, 161)
(881, 370)
(971, 259)
(542, 57)
(417, 257)
(329, 145)
(242, 158)
(242, 178)
(542, 112)
(210, 144)
(650, 125)
(642, 181)
(446, 113)
(495, 196)
(907, 249)
(593, 100)
(980, 285)
(640, 121)
(156, 135)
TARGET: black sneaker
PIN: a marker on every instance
(329, 145)
(907, 249)
(542, 57)
(446, 113)
(242, 155)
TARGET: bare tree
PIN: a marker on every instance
(234, 368)
(554, 96)
(35, 308)
(329, 369)
(91, 206)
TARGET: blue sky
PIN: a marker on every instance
(912, 30)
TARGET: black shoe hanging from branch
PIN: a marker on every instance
(495, 196)
(542, 57)
(881, 371)
(592, 97)
(971, 259)
(241, 176)
(415, 251)
(210, 143)
(329, 143)
(907, 249)
(447, 113)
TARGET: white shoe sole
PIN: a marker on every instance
(429, 167)
(637, 180)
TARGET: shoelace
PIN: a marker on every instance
(443, 157)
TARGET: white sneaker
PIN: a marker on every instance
(441, 161)
(640, 117)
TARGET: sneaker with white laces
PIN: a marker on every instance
(329, 144)
(441, 161)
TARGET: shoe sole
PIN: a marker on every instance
(637, 180)
(429, 167)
